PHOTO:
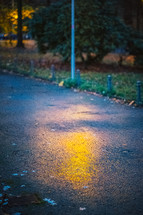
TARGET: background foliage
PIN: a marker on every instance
(98, 30)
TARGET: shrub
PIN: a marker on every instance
(97, 29)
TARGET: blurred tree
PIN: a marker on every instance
(135, 46)
(19, 30)
(97, 29)
(26, 13)
(5, 21)
(132, 13)
(8, 12)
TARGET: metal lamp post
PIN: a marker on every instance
(72, 42)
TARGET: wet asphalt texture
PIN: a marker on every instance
(81, 152)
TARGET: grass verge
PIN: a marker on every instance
(123, 84)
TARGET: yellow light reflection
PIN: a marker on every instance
(77, 168)
(67, 157)
(67, 153)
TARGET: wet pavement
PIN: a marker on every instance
(80, 153)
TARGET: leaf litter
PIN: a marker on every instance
(12, 201)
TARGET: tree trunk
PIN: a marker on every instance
(19, 31)
(138, 15)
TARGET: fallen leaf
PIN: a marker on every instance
(85, 187)
(5, 203)
(53, 130)
(82, 209)
(48, 143)
(23, 200)
(61, 84)
(15, 174)
(132, 102)
(6, 188)
(51, 202)
(5, 200)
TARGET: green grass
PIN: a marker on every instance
(124, 84)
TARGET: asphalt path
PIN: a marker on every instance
(81, 153)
